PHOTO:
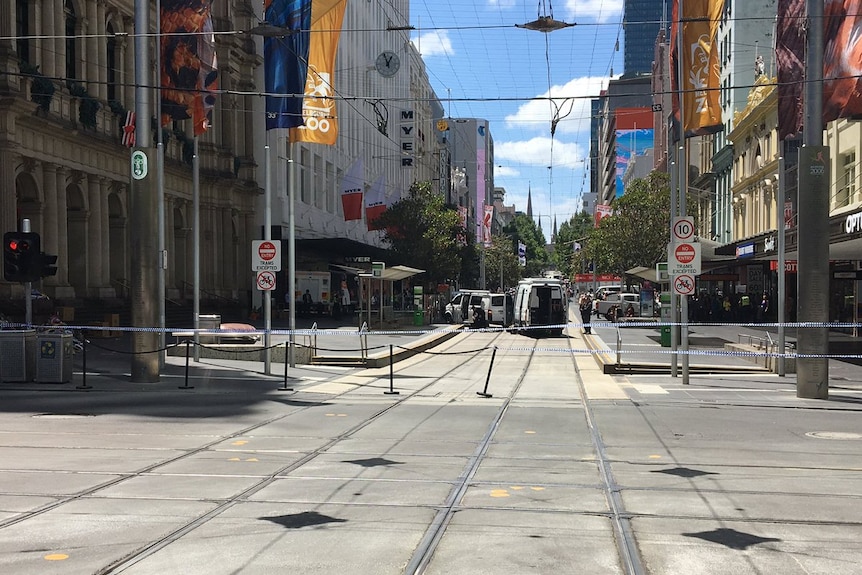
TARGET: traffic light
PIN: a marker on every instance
(21, 255)
(47, 265)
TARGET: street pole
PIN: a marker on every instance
(782, 281)
(143, 209)
(291, 250)
(812, 369)
(267, 235)
(196, 242)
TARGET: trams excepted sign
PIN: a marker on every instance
(266, 255)
(683, 284)
(683, 258)
(265, 281)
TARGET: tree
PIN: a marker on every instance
(638, 231)
(501, 254)
(424, 233)
(523, 228)
(570, 237)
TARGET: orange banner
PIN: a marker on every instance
(700, 80)
(318, 107)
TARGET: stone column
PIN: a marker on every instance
(49, 219)
(101, 53)
(89, 71)
(104, 254)
(94, 235)
(8, 200)
(62, 235)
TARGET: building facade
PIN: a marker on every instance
(68, 172)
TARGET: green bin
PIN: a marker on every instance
(665, 336)
(418, 317)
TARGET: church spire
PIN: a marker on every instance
(529, 202)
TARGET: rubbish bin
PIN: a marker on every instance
(665, 336)
(54, 357)
(418, 317)
(209, 322)
(17, 353)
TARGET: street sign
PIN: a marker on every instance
(377, 269)
(139, 165)
(683, 229)
(266, 255)
(683, 258)
(265, 281)
(683, 284)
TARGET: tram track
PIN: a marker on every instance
(153, 547)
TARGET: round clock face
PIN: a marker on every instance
(387, 63)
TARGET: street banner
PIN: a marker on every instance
(841, 60)
(486, 226)
(790, 59)
(285, 61)
(188, 69)
(320, 121)
(602, 211)
(351, 191)
(699, 86)
(375, 203)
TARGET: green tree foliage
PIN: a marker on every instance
(524, 228)
(423, 233)
(576, 230)
(502, 253)
(638, 231)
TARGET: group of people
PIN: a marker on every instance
(732, 308)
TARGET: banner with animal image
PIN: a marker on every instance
(320, 121)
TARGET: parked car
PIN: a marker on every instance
(460, 307)
(501, 310)
(619, 303)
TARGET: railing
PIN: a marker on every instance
(311, 339)
(363, 340)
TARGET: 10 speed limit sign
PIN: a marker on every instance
(683, 229)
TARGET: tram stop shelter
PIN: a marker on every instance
(379, 304)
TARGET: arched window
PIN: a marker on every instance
(71, 27)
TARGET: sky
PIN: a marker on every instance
(482, 66)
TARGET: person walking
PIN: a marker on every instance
(585, 305)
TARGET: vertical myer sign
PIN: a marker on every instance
(407, 138)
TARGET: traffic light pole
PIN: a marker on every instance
(28, 286)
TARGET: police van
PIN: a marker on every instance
(460, 307)
(540, 306)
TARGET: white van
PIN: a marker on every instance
(501, 310)
(540, 302)
(460, 308)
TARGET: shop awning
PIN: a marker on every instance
(397, 273)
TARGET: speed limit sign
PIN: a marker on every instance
(683, 229)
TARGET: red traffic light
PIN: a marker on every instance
(17, 245)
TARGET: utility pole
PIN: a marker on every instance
(812, 371)
(143, 203)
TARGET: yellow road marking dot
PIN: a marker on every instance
(252, 459)
(515, 487)
(234, 459)
(655, 456)
(56, 557)
(529, 432)
(240, 442)
(499, 493)
(537, 488)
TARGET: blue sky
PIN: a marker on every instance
(482, 66)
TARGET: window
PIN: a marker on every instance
(22, 29)
(847, 191)
(71, 26)
(112, 63)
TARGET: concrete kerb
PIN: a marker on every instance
(424, 343)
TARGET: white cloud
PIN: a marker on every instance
(433, 43)
(505, 172)
(502, 3)
(571, 100)
(598, 10)
(540, 152)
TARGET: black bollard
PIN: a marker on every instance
(84, 361)
(391, 383)
(286, 364)
(484, 393)
(185, 384)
